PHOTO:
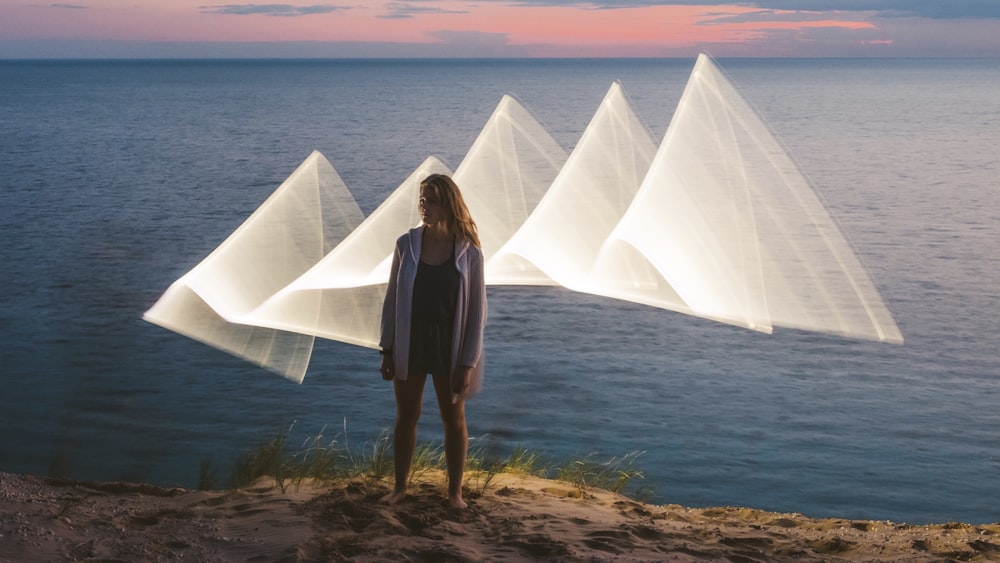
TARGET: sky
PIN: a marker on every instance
(499, 28)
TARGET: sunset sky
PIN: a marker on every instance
(499, 28)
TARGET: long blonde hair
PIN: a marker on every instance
(458, 220)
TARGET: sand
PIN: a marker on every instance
(515, 518)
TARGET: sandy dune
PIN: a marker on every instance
(516, 518)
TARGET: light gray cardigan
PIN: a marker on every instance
(470, 311)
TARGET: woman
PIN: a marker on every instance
(432, 323)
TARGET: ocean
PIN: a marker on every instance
(116, 177)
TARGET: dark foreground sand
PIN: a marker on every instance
(516, 518)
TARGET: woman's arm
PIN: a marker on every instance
(475, 324)
(388, 336)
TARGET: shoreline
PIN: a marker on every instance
(510, 517)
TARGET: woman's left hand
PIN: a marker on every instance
(387, 370)
(460, 384)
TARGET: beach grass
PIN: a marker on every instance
(320, 457)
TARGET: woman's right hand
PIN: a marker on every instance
(387, 367)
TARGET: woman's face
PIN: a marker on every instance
(431, 210)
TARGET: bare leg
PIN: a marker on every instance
(456, 438)
(409, 400)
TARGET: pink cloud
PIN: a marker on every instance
(515, 29)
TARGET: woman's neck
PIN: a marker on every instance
(437, 232)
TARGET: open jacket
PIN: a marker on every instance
(470, 311)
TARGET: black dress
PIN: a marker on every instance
(435, 294)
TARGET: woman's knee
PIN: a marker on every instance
(407, 415)
(453, 420)
(409, 400)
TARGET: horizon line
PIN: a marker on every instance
(425, 58)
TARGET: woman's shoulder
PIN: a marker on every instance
(470, 251)
(405, 238)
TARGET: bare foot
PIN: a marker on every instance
(394, 497)
(457, 502)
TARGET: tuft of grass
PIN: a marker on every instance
(326, 459)
(373, 462)
(523, 461)
(268, 460)
(427, 457)
(207, 476)
(613, 475)
(317, 459)
(482, 465)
